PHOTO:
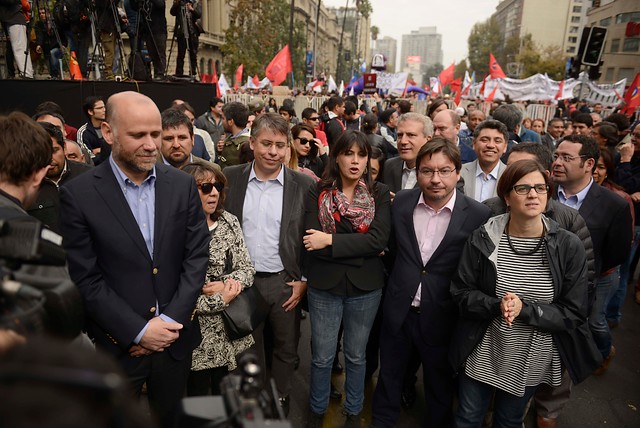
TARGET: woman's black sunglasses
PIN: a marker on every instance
(207, 188)
(304, 141)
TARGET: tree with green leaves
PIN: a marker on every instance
(257, 31)
(536, 59)
(485, 38)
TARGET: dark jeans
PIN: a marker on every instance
(206, 382)
(474, 398)
(193, 52)
(157, 47)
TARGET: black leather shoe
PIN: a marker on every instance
(408, 396)
(284, 402)
(335, 394)
(352, 421)
(315, 420)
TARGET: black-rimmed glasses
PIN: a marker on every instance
(524, 189)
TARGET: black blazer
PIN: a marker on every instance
(609, 221)
(296, 187)
(352, 254)
(438, 311)
(393, 174)
(109, 261)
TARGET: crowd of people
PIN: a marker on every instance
(73, 38)
(493, 250)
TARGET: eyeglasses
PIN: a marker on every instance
(567, 158)
(443, 173)
(304, 141)
(207, 188)
(315, 118)
(524, 189)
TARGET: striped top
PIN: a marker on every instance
(512, 358)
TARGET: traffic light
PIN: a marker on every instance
(594, 46)
(574, 69)
(594, 72)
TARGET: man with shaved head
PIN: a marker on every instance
(446, 124)
(138, 246)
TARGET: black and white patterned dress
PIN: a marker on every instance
(227, 252)
(512, 358)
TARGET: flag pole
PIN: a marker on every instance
(293, 2)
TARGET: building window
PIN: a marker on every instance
(577, 9)
(609, 74)
(575, 19)
(210, 66)
(605, 22)
(627, 73)
(631, 44)
(615, 45)
(571, 49)
(573, 30)
(623, 18)
(573, 39)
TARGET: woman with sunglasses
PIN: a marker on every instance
(311, 153)
(521, 292)
(348, 222)
(229, 272)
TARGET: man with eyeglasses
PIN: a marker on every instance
(311, 117)
(431, 224)
(481, 176)
(90, 133)
(608, 219)
(268, 200)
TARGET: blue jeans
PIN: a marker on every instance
(605, 287)
(326, 311)
(474, 398)
(617, 299)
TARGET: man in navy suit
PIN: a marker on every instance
(431, 224)
(138, 247)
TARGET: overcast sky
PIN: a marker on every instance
(453, 18)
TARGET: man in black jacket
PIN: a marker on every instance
(187, 12)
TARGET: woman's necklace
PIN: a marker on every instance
(525, 253)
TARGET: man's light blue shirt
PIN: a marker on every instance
(142, 203)
(261, 221)
(576, 200)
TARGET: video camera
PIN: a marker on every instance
(36, 293)
(243, 402)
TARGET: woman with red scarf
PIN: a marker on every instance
(348, 222)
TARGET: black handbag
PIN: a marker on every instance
(245, 313)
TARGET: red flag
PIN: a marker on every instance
(560, 91)
(214, 79)
(456, 85)
(632, 96)
(492, 94)
(256, 81)
(495, 69)
(238, 76)
(446, 76)
(279, 66)
(484, 83)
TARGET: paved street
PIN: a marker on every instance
(611, 400)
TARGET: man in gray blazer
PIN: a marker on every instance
(268, 199)
(481, 176)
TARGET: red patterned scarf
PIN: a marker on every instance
(333, 204)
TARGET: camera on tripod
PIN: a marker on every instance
(36, 294)
(243, 402)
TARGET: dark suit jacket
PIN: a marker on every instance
(296, 187)
(109, 261)
(438, 311)
(353, 255)
(609, 221)
(393, 174)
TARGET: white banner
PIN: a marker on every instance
(392, 82)
(540, 87)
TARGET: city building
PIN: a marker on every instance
(355, 32)
(387, 46)
(549, 22)
(425, 43)
(621, 55)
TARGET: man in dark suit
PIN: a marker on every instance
(414, 131)
(609, 221)
(446, 123)
(268, 199)
(138, 247)
(430, 224)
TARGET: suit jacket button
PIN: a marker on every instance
(424, 272)
(155, 271)
(152, 309)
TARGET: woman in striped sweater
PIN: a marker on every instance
(521, 290)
